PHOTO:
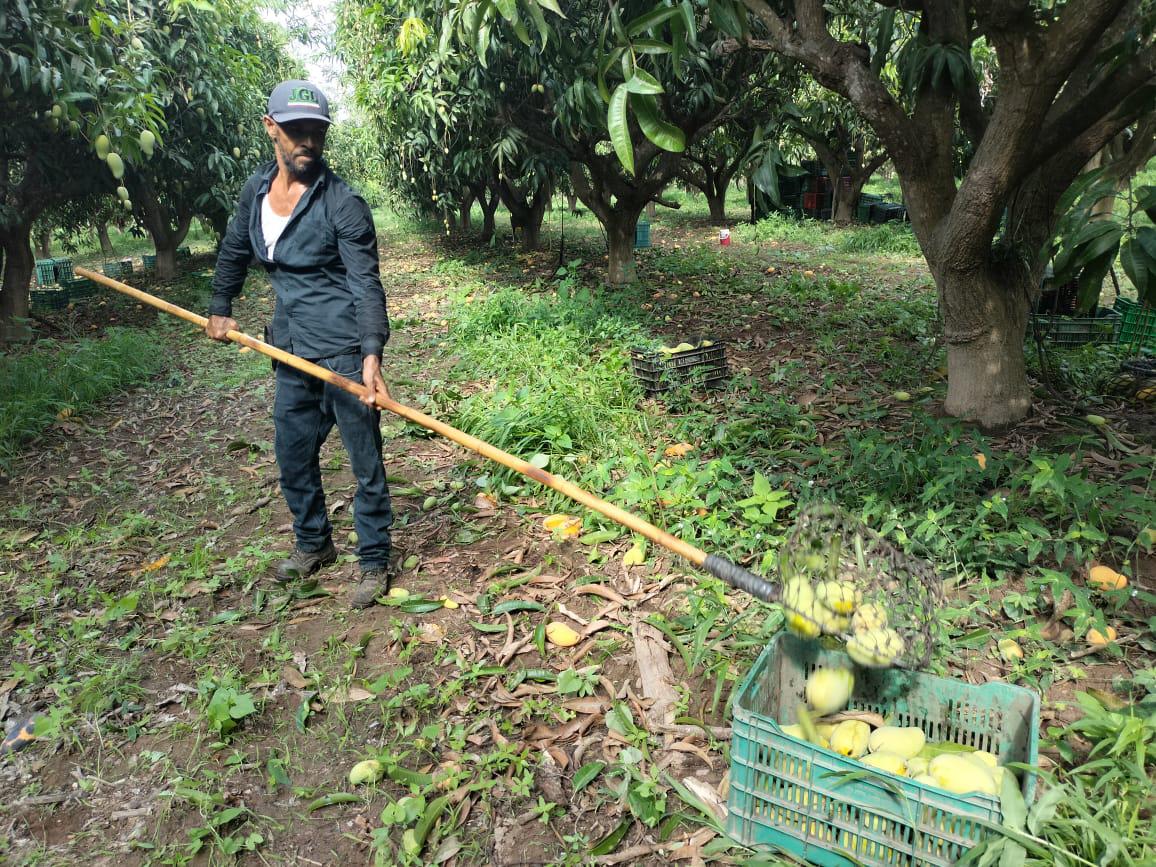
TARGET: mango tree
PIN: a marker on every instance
(746, 141)
(1067, 78)
(622, 88)
(843, 143)
(68, 75)
(219, 67)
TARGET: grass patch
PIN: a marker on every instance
(55, 378)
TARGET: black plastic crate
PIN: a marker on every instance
(885, 212)
(658, 372)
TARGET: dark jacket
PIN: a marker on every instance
(324, 269)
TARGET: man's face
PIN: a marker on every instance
(299, 145)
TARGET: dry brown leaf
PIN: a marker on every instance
(678, 450)
(693, 749)
(588, 705)
(341, 696)
(293, 677)
(604, 592)
(709, 796)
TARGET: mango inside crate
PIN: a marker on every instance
(703, 363)
(794, 796)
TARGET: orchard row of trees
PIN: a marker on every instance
(117, 110)
(992, 114)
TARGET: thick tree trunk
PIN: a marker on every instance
(717, 202)
(843, 203)
(106, 248)
(464, 222)
(18, 263)
(488, 211)
(651, 209)
(157, 220)
(620, 227)
(166, 260)
(526, 211)
(44, 243)
(532, 230)
(986, 378)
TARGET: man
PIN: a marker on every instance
(316, 239)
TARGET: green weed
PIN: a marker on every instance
(55, 379)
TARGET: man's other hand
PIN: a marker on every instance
(220, 326)
(371, 378)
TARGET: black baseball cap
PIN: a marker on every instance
(298, 100)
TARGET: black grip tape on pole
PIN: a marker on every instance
(740, 578)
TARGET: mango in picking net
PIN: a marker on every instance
(839, 597)
(876, 648)
(869, 616)
(806, 616)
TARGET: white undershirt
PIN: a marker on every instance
(272, 225)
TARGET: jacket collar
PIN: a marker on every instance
(269, 171)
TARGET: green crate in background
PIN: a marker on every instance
(1067, 331)
(641, 235)
(1137, 324)
(793, 796)
(49, 299)
(45, 272)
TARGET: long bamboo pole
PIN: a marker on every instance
(722, 568)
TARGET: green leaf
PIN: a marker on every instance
(514, 606)
(585, 775)
(666, 135)
(1045, 808)
(618, 129)
(725, 17)
(1015, 811)
(610, 842)
(643, 82)
(652, 19)
(508, 9)
(552, 5)
(600, 536)
(332, 800)
(1138, 267)
(883, 39)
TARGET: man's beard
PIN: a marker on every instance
(306, 173)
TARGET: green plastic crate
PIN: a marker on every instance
(45, 272)
(1077, 330)
(63, 269)
(786, 794)
(1137, 324)
(641, 235)
(49, 299)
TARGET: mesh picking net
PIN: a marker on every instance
(841, 578)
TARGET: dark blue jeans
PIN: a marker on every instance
(304, 412)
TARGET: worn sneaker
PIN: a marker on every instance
(373, 583)
(302, 564)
